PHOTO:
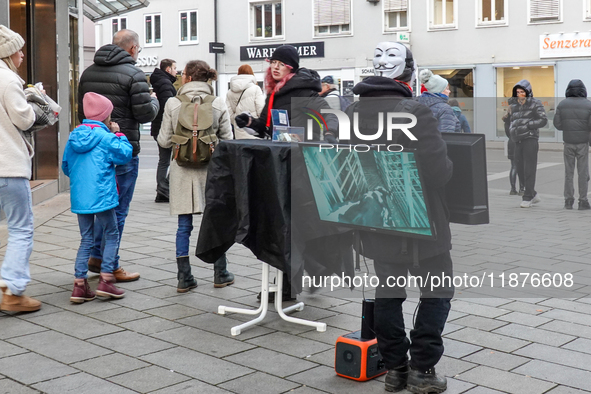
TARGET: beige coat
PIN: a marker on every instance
(187, 185)
(252, 101)
(15, 115)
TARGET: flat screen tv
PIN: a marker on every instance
(374, 191)
(467, 190)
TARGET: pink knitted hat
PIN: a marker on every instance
(96, 107)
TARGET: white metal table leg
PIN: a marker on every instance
(262, 310)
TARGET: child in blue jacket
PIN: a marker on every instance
(91, 154)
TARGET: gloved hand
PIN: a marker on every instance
(328, 137)
(242, 120)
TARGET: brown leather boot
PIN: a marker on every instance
(122, 276)
(13, 303)
(94, 265)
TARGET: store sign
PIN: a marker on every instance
(262, 52)
(368, 71)
(565, 45)
(147, 61)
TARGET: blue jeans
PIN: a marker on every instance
(108, 221)
(183, 235)
(17, 204)
(126, 179)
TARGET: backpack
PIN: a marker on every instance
(194, 138)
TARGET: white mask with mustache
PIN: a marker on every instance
(389, 59)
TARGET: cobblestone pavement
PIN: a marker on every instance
(498, 339)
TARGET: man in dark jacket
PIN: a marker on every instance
(573, 117)
(115, 76)
(162, 80)
(395, 256)
(526, 117)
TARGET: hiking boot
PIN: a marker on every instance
(584, 205)
(186, 279)
(536, 199)
(82, 293)
(396, 378)
(13, 303)
(221, 276)
(513, 192)
(161, 198)
(106, 287)
(94, 265)
(425, 382)
(122, 276)
(568, 204)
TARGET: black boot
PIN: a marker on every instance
(221, 276)
(568, 204)
(396, 378)
(425, 382)
(186, 280)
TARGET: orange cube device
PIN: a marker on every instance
(357, 358)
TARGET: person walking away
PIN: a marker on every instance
(464, 125)
(115, 76)
(436, 98)
(573, 117)
(15, 171)
(92, 151)
(526, 117)
(244, 96)
(396, 256)
(162, 80)
(187, 184)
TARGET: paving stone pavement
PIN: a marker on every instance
(507, 339)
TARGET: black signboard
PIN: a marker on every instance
(217, 47)
(262, 52)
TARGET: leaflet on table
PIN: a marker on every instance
(288, 134)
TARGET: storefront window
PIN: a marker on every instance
(541, 79)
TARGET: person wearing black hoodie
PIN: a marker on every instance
(115, 76)
(162, 80)
(394, 256)
(573, 117)
(526, 116)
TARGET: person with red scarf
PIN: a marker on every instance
(286, 80)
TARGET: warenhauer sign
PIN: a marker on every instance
(262, 52)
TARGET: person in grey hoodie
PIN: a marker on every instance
(573, 117)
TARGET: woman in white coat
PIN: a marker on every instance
(187, 185)
(244, 96)
(15, 171)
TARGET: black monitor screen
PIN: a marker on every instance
(374, 190)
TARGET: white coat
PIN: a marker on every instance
(187, 185)
(15, 115)
(252, 100)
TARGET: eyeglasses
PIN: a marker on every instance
(277, 63)
(139, 48)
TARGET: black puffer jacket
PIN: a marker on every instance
(432, 154)
(304, 85)
(573, 114)
(162, 83)
(115, 76)
(525, 119)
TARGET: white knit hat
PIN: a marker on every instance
(433, 83)
(10, 42)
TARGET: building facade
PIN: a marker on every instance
(483, 47)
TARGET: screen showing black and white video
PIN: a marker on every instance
(379, 190)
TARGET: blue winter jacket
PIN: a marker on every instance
(464, 125)
(89, 160)
(448, 123)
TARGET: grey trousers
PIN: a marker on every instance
(580, 154)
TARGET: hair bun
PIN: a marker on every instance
(425, 75)
(212, 74)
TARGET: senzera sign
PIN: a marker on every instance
(565, 45)
(262, 52)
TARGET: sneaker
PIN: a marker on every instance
(396, 378)
(513, 192)
(108, 289)
(82, 293)
(425, 382)
(536, 199)
(568, 204)
(526, 204)
(521, 192)
(584, 205)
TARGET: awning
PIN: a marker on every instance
(98, 10)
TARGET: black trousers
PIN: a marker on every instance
(425, 343)
(526, 156)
